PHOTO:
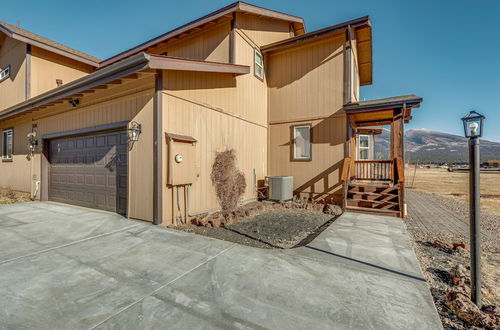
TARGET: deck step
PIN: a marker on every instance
(371, 201)
(371, 195)
(372, 189)
(356, 209)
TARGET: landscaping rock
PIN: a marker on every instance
(215, 222)
(458, 274)
(456, 246)
(437, 244)
(319, 207)
(467, 311)
(332, 209)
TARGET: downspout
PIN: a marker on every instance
(188, 199)
(232, 41)
(348, 52)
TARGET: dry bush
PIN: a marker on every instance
(229, 182)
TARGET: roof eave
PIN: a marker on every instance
(313, 35)
(16, 36)
(118, 70)
(408, 103)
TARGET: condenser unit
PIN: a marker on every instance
(280, 188)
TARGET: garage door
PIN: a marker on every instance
(90, 171)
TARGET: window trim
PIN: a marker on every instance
(294, 157)
(364, 148)
(4, 157)
(256, 51)
(6, 76)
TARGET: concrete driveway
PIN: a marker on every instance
(64, 267)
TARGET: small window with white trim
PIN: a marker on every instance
(259, 65)
(5, 73)
(364, 147)
(302, 142)
(7, 144)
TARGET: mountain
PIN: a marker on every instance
(434, 147)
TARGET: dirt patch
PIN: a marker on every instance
(445, 259)
(9, 196)
(272, 229)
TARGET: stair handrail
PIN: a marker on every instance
(345, 170)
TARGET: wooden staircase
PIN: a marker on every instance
(375, 187)
(373, 198)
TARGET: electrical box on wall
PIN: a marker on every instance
(182, 163)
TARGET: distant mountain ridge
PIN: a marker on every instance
(434, 147)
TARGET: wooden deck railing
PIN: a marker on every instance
(373, 170)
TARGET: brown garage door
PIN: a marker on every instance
(90, 171)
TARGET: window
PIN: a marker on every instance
(7, 142)
(259, 65)
(5, 73)
(364, 147)
(302, 142)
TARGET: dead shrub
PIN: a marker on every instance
(229, 182)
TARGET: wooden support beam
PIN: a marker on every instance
(131, 77)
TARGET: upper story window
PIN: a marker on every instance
(259, 65)
(7, 144)
(364, 147)
(302, 142)
(5, 73)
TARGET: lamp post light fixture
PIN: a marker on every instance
(473, 129)
(134, 131)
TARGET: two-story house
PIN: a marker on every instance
(137, 133)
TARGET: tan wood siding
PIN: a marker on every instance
(208, 45)
(12, 89)
(46, 67)
(262, 30)
(220, 116)
(16, 174)
(306, 87)
(129, 102)
(308, 81)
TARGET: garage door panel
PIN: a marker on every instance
(90, 171)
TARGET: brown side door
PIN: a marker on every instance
(90, 171)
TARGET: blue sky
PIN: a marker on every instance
(447, 51)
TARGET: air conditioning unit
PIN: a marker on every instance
(280, 188)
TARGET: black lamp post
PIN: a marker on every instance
(473, 128)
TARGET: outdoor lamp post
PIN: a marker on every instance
(473, 129)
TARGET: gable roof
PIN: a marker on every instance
(239, 6)
(361, 25)
(47, 44)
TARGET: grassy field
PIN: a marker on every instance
(456, 185)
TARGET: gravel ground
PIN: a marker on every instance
(273, 229)
(437, 263)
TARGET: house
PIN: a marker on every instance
(137, 133)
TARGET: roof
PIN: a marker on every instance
(315, 34)
(409, 101)
(232, 8)
(41, 42)
(361, 25)
(126, 67)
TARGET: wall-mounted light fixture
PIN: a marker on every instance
(134, 131)
(74, 102)
(31, 144)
